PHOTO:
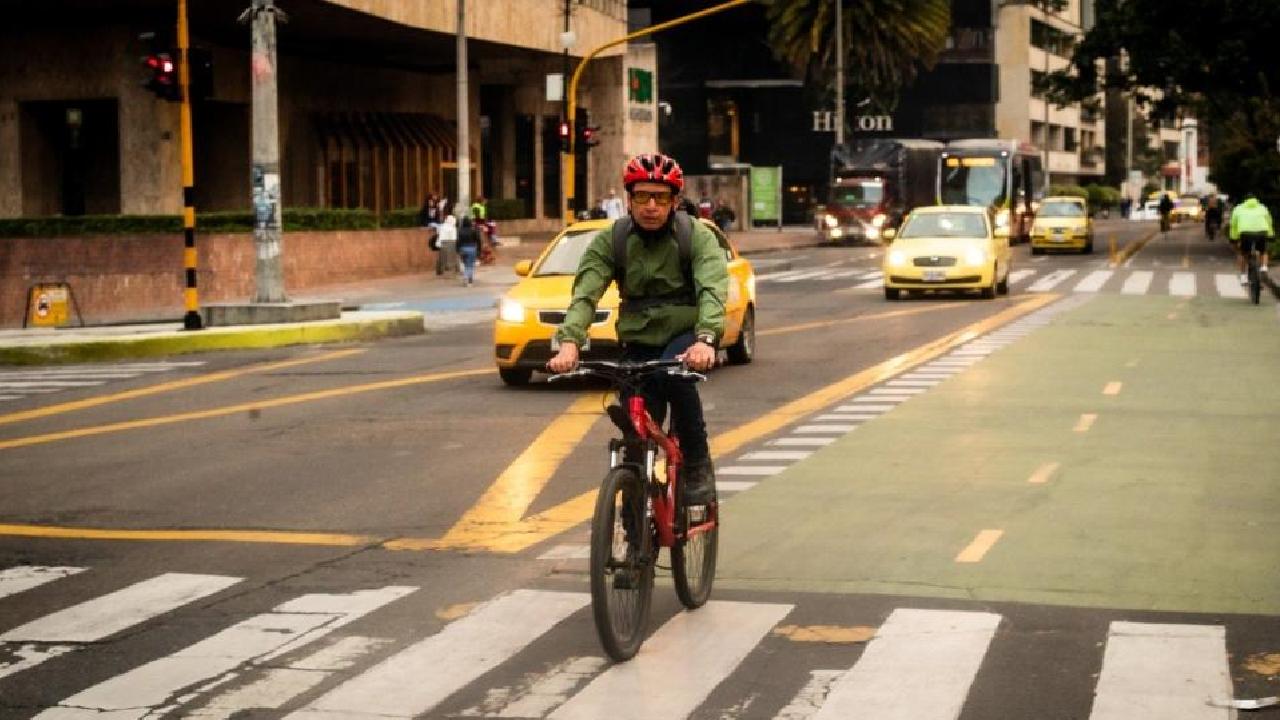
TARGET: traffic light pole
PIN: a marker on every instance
(268, 264)
(191, 320)
(571, 95)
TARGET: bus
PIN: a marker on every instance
(1004, 176)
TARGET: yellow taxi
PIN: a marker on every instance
(530, 312)
(1186, 208)
(947, 247)
(1062, 223)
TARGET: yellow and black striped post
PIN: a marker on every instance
(191, 320)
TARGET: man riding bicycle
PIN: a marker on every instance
(1251, 228)
(672, 307)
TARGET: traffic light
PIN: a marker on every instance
(564, 136)
(590, 136)
(161, 66)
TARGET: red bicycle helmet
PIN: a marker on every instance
(653, 167)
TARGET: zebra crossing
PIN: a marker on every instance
(300, 657)
(1125, 281)
(16, 384)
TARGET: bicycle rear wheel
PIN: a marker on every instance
(1255, 282)
(693, 560)
(621, 563)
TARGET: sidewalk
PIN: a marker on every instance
(373, 309)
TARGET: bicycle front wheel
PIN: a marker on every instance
(693, 559)
(622, 567)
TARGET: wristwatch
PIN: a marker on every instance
(706, 338)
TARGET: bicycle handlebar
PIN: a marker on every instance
(621, 371)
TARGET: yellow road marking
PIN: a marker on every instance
(526, 532)
(499, 511)
(238, 408)
(858, 318)
(169, 386)
(1043, 473)
(979, 547)
(453, 612)
(535, 529)
(244, 536)
(1112, 388)
(826, 633)
(1085, 422)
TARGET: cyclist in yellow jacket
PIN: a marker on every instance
(1251, 228)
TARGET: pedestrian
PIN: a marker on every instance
(468, 249)
(447, 239)
(1125, 203)
(612, 205)
(723, 217)
(429, 220)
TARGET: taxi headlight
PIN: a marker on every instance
(831, 221)
(510, 311)
(1002, 218)
(878, 220)
(974, 256)
(897, 257)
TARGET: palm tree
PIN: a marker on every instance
(886, 41)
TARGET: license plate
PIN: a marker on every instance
(935, 275)
(1059, 237)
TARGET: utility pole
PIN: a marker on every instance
(265, 171)
(464, 119)
(191, 320)
(840, 74)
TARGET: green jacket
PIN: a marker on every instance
(1251, 216)
(651, 270)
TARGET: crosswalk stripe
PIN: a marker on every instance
(870, 284)
(24, 384)
(774, 276)
(1094, 281)
(1171, 672)
(539, 694)
(805, 275)
(10, 397)
(139, 692)
(1050, 281)
(104, 616)
(1137, 283)
(1018, 276)
(90, 621)
(754, 470)
(865, 407)
(1182, 284)
(914, 383)
(1229, 286)
(919, 666)
(719, 636)
(24, 577)
(419, 677)
(775, 455)
(802, 442)
(825, 429)
(280, 685)
(65, 375)
(845, 417)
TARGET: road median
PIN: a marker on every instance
(98, 344)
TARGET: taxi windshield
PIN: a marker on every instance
(564, 257)
(948, 225)
(1062, 208)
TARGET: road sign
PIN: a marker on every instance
(49, 305)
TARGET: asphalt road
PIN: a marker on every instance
(387, 530)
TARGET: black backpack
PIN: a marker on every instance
(682, 226)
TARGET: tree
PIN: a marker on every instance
(886, 41)
(1216, 59)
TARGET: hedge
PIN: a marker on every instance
(295, 219)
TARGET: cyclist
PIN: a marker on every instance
(669, 310)
(1166, 211)
(1251, 228)
(1212, 217)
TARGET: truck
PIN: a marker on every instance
(874, 187)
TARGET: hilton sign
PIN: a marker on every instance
(825, 121)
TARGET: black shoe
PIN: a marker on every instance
(698, 483)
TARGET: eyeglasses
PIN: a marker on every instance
(661, 199)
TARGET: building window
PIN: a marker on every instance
(722, 129)
(1037, 83)
(1051, 39)
(384, 161)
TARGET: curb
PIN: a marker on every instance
(1133, 248)
(376, 326)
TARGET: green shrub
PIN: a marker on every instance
(222, 221)
(401, 218)
(1102, 197)
(1069, 190)
(507, 209)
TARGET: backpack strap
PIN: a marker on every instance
(682, 227)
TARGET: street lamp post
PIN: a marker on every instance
(463, 203)
(265, 172)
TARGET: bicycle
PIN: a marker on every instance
(1254, 274)
(637, 514)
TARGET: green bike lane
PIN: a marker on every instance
(1166, 499)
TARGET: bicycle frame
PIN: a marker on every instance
(664, 504)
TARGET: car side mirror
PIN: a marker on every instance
(888, 234)
(523, 267)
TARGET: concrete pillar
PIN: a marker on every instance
(10, 160)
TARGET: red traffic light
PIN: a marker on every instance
(564, 130)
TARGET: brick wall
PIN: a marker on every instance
(125, 279)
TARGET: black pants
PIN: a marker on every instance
(659, 390)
